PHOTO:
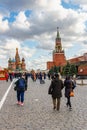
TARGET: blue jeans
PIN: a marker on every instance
(20, 96)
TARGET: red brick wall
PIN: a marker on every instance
(50, 65)
(77, 59)
(82, 70)
(59, 59)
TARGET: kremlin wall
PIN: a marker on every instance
(59, 58)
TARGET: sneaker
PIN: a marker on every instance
(22, 104)
(18, 103)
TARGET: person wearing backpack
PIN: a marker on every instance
(21, 87)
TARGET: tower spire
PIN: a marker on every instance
(17, 58)
(58, 35)
(58, 46)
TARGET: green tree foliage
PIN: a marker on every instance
(51, 71)
(69, 69)
(73, 69)
(66, 69)
(54, 69)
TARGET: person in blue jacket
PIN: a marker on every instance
(21, 87)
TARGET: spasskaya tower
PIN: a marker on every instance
(58, 54)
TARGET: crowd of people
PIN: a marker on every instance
(55, 88)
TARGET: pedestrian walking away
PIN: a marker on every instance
(69, 86)
(56, 86)
(21, 87)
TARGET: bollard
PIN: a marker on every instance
(82, 82)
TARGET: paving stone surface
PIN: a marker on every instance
(37, 112)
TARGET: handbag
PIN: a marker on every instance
(71, 94)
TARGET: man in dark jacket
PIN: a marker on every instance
(56, 86)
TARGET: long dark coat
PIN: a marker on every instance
(68, 87)
(56, 86)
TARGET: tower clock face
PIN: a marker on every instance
(58, 43)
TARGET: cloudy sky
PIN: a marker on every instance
(31, 26)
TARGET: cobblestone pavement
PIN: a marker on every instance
(37, 112)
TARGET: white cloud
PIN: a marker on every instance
(67, 1)
(27, 52)
(21, 21)
(39, 63)
(41, 26)
(11, 44)
(79, 1)
(84, 7)
(3, 25)
(49, 6)
(19, 5)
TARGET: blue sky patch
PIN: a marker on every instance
(28, 13)
(69, 5)
(11, 18)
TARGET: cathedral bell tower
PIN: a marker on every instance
(17, 58)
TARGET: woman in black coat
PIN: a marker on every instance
(56, 87)
(69, 85)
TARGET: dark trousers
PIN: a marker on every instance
(20, 96)
(68, 102)
(56, 103)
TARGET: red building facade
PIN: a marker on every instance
(81, 63)
(59, 58)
